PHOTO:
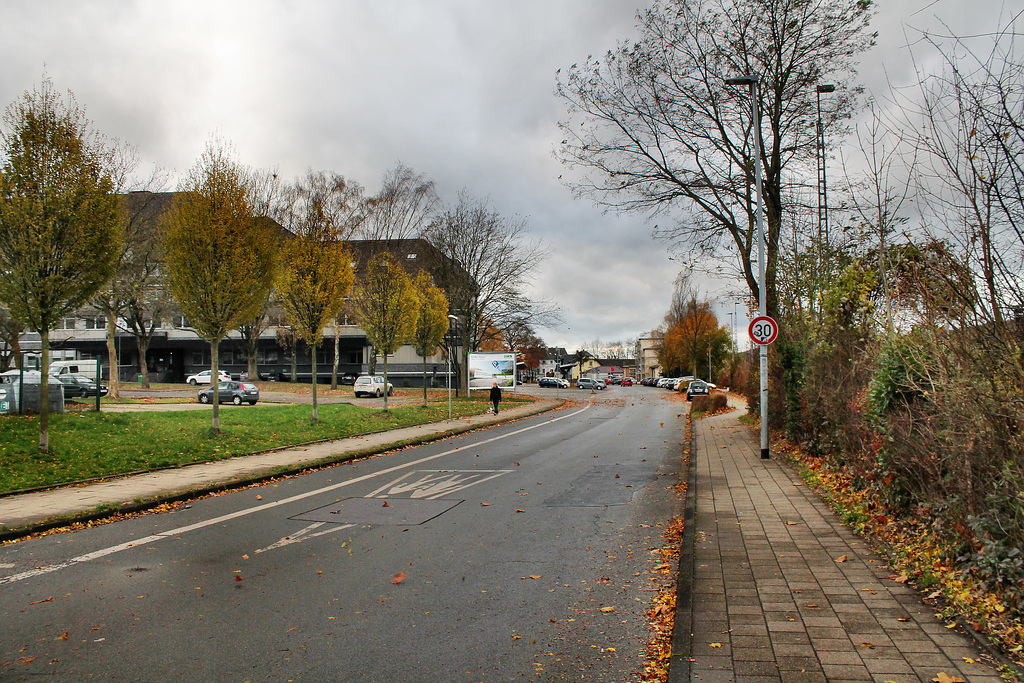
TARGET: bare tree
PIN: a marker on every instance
(653, 127)
(402, 209)
(486, 263)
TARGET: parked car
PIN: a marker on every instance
(665, 382)
(626, 382)
(80, 385)
(232, 392)
(556, 382)
(349, 378)
(371, 385)
(589, 383)
(697, 387)
(204, 377)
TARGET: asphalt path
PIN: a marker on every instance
(523, 551)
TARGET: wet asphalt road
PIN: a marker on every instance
(517, 552)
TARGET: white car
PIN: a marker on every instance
(371, 385)
(204, 377)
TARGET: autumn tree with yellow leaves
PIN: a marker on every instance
(59, 217)
(316, 277)
(431, 321)
(386, 305)
(220, 256)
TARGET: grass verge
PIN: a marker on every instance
(86, 445)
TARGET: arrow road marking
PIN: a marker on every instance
(172, 533)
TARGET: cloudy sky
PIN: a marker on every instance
(459, 90)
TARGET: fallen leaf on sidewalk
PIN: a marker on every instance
(842, 558)
(792, 523)
(716, 645)
(946, 678)
(902, 578)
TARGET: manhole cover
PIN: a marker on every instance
(380, 511)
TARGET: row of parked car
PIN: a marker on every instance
(584, 382)
(691, 385)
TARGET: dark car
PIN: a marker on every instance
(697, 388)
(232, 392)
(80, 385)
(552, 382)
(348, 378)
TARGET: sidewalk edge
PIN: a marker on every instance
(682, 632)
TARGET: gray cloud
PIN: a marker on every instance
(460, 90)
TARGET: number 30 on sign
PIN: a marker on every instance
(763, 330)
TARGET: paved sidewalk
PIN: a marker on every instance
(771, 598)
(22, 513)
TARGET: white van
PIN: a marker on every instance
(74, 367)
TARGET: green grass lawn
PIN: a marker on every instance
(90, 444)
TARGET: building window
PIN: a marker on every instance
(197, 358)
(181, 322)
(67, 324)
(99, 323)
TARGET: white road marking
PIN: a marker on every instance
(304, 534)
(88, 557)
(434, 484)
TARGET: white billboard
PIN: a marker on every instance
(487, 368)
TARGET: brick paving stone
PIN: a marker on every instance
(765, 550)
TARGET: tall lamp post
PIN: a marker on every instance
(751, 81)
(822, 194)
(451, 319)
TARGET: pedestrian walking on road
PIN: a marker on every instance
(495, 396)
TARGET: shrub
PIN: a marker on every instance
(710, 404)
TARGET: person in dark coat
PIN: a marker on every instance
(495, 396)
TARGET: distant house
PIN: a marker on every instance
(550, 365)
(176, 351)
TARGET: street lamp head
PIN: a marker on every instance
(453, 317)
(742, 80)
(826, 87)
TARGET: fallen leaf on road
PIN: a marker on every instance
(36, 602)
(484, 504)
(63, 636)
(237, 578)
(26, 660)
(535, 576)
(520, 510)
(607, 609)
(399, 578)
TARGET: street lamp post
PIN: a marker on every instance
(751, 81)
(822, 194)
(451, 319)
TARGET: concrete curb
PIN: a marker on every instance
(96, 513)
(682, 632)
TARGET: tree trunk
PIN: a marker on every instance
(44, 393)
(334, 369)
(295, 358)
(215, 383)
(424, 381)
(385, 382)
(113, 382)
(315, 414)
(143, 343)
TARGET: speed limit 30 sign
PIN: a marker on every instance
(763, 330)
